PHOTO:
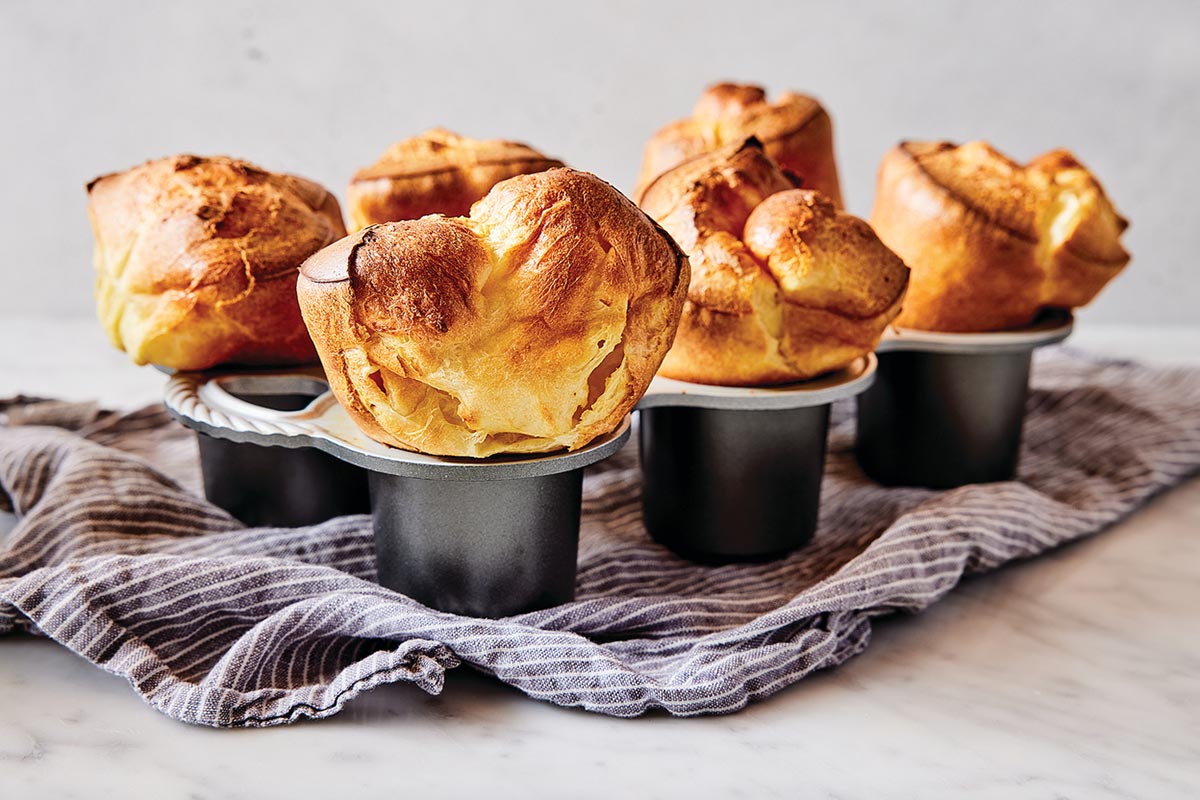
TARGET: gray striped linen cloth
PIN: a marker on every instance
(115, 555)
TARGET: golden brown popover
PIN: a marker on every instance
(438, 172)
(784, 286)
(534, 324)
(197, 258)
(794, 130)
(991, 242)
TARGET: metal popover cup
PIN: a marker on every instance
(274, 484)
(483, 537)
(487, 538)
(947, 409)
(277, 486)
(734, 474)
(259, 484)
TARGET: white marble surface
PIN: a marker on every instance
(1076, 675)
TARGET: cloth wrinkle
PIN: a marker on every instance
(115, 554)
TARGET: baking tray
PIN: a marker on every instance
(947, 409)
(734, 474)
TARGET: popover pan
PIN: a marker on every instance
(484, 537)
(947, 409)
(734, 474)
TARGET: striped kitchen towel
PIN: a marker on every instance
(113, 553)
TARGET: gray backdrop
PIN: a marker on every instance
(96, 87)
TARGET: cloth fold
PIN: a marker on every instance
(116, 555)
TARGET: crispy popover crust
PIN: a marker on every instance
(795, 132)
(993, 243)
(784, 285)
(197, 258)
(438, 172)
(534, 324)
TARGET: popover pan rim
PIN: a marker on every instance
(200, 402)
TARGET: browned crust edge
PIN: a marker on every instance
(365, 175)
(983, 215)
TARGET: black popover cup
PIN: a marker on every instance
(489, 548)
(722, 486)
(490, 537)
(734, 474)
(270, 486)
(947, 409)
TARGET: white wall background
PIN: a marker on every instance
(93, 87)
